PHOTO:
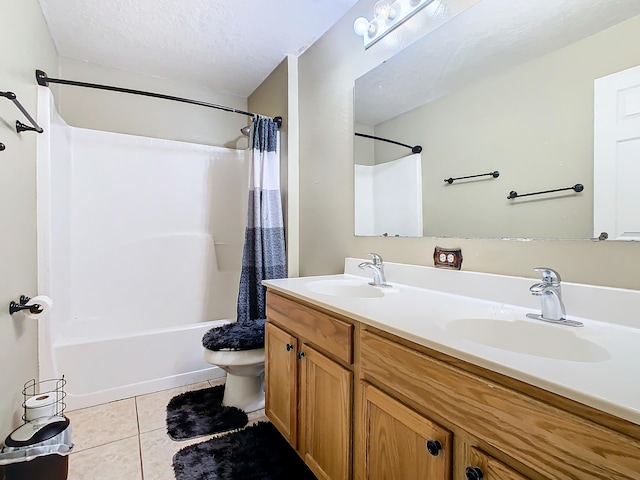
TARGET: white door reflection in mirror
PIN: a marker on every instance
(388, 198)
(617, 155)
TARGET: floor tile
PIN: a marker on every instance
(114, 461)
(127, 439)
(217, 381)
(152, 408)
(102, 424)
(157, 453)
(257, 416)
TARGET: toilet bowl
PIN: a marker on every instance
(244, 385)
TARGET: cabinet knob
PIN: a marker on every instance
(289, 347)
(434, 447)
(473, 473)
(300, 355)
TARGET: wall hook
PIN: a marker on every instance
(2, 147)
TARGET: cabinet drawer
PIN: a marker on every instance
(549, 440)
(328, 333)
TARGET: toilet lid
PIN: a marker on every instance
(247, 335)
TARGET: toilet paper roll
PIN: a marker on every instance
(45, 304)
(42, 405)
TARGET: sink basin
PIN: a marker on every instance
(530, 338)
(345, 288)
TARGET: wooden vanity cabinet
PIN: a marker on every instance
(415, 413)
(309, 384)
(527, 437)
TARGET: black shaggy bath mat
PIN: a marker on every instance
(200, 412)
(257, 452)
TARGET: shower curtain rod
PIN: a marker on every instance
(416, 149)
(43, 80)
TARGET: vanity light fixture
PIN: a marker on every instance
(388, 14)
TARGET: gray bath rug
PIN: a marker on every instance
(200, 412)
(257, 452)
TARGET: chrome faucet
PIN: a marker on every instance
(377, 267)
(552, 306)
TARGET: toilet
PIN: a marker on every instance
(238, 348)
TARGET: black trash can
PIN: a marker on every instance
(37, 451)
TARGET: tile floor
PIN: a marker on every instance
(127, 439)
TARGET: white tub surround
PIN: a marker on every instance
(434, 308)
(140, 247)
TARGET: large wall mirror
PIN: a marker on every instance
(493, 90)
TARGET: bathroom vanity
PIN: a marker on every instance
(363, 396)
(309, 380)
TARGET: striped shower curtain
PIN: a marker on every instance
(264, 250)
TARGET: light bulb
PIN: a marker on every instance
(373, 28)
(361, 26)
(384, 9)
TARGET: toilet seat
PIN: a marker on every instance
(234, 357)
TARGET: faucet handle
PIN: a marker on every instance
(549, 275)
(377, 259)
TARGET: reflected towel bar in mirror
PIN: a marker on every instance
(494, 174)
(415, 149)
(578, 187)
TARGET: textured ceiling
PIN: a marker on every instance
(230, 46)
(490, 36)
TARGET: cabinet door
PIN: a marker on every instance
(281, 381)
(485, 467)
(402, 444)
(325, 421)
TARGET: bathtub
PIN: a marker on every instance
(117, 365)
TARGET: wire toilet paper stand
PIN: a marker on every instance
(44, 399)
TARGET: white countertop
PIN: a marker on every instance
(425, 315)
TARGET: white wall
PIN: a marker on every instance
(27, 45)
(149, 117)
(145, 233)
(327, 74)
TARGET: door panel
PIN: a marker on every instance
(326, 412)
(281, 381)
(617, 155)
(397, 441)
